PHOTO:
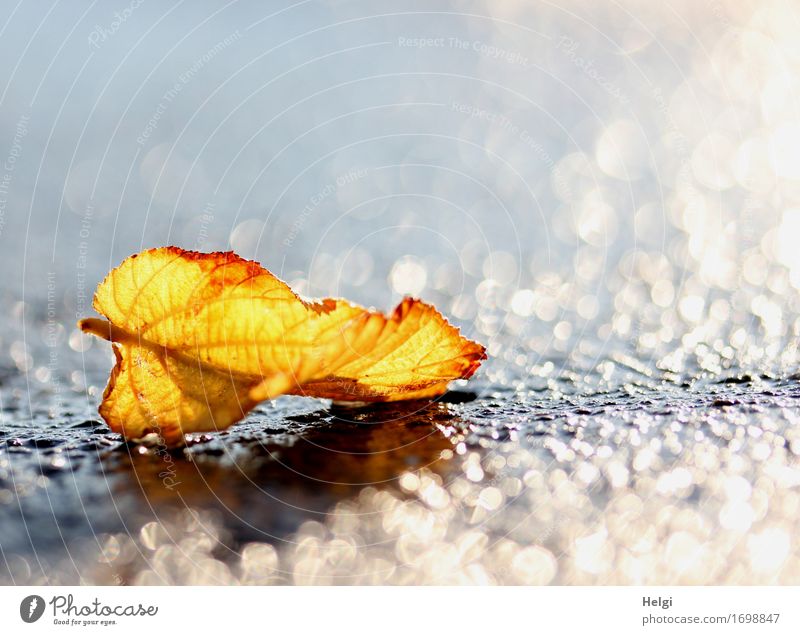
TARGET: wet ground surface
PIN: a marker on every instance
(612, 475)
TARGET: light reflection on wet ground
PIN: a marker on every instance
(643, 482)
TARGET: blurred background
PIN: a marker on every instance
(605, 194)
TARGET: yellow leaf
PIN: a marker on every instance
(200, 339)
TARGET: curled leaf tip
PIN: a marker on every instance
(201, 338)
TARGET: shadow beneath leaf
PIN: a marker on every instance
(268, 475)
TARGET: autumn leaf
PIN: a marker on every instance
(200, 339)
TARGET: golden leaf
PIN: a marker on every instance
(200, 339)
